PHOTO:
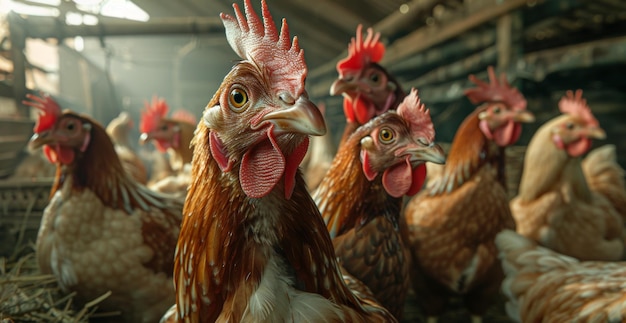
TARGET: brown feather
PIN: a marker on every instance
(452, 223)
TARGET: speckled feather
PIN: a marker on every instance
(228, 240)
(452, 223)
(544, 286)
(103, 231)
(362, 218)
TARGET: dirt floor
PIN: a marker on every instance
(456, 313)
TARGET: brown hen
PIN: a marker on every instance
(544, 286)
(451, 225)
(102, 231)
(555, 205)
(361, 196)
(118, 129)
(253, 246)
(368, 89)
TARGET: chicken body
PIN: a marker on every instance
(555, 205)
(360, 198)
(606, 177)
(253, 246)
(102, 231)
(451, 225)
(118, 129)
(544, 286)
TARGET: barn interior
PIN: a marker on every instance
(103, 57)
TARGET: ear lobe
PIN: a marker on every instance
(219, 152)
(370, 174)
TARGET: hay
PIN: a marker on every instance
(26, 295)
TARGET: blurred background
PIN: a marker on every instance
(105, 56)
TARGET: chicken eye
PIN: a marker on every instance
(376, 77)
(386, 135)
(497, 110)
(237, 99)
(164, 127)
(569, 126)
(71, 126)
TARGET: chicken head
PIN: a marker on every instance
(367, 88)
(259, 119)
(61, 135)
(504, 108)
(398, 144)
(155, 126)
(578, 127)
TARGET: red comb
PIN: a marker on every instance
(574, 104)
(496, 90)
(260, 43)
(184, 115)
(152, 114)
(413, 110)
(362, 52)
(49, 108)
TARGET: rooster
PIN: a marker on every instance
(555, 205)
(368, 89)
(544, 286)
(451, 225)
(253, 245)
(102, 231)
(169, 134)
(118, 129)
(361, 196)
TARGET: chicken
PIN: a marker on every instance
(102, 231)
(368, 89)
(118, 129)
(253, 245)
(605, 176)
(361, 196)
(544, 286)
(34, 165)
(169, 134)
(451, 225)
(555, 206)
(318, 158)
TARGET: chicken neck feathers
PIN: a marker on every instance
(313, 267)
(470, 150)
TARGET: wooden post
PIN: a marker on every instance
(504, 41)
(18, 44)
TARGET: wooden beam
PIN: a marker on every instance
(399, 21)
(538, 65)
(345, 19)
(18, 44)
(49, 27)
(504, 40)
(390, 25)
(425, 61)
(461, 69)
(427, 37)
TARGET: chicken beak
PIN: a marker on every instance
(524, 116)
(303, 117)
(340, 86)
(596, 133)
(144, 138)
(433, 153)
(40, 139)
